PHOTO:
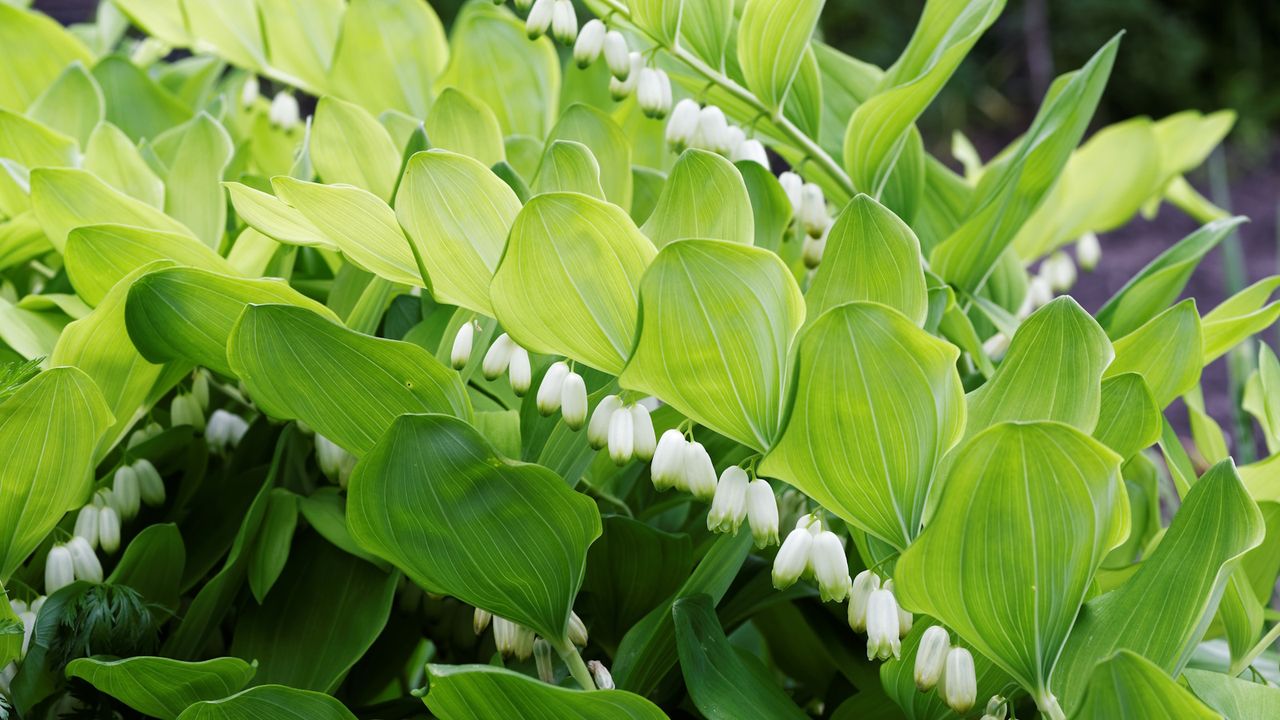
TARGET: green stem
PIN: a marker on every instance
(795, 135)
(577, 668)
(1247, 659)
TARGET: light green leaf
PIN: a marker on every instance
(99, 256)
(1164, 351)
(363, 227)
(871, 255)
(464, 125)
(72, 105)
(484, 692)
(1127, 685)
(301, 37)
(877, 131)
(1012, 589)
(505, 536)
(457, 215)
(1186, 139)
(45, 49)
(1163, 610)
(769, 204)
(1060, 347)
(349, 146)
(153, 563)
(725, 314)
(349, 387)
(1235, 698)
(804, 102)
(389, 53)
(49, 429)
(111, 156)
(608, 143)
(772, 38)
(30, 145)
(135, 102)
(878, 402)
(706, 28)
(659, 18)
(1268, 393)
(184, 313)
(1129, 419)
(704, 197)
(161, 687)
(270, 702)
(1247, 312)
(65, 198)
(1011, 189)
(161, 18)
(568, 166)
(274, 218)
(230, 28)
(569, 281)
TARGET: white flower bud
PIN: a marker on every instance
(573, 401)
(752, 151)
(931, 656)
(762, 512)
(905, 619)
(108, 530)
(653, 92)
(512, 638)
(996, 708)
(792, 559)
(793, 186)
(1038, 293)
(813, 210)
(543, 659)
(996, 346)
(28, 620)
(713, 130)
(498, 358)
(959, 686)
(683, 124)
(462, 343)
(143, 434)
(1088, 251)
(830, 567)
(549, 392)
(864, 584)
(667, 468)
(729, 505)
(699, 472)
(225, 431)
(734, 138)
(620, 88)
(150, 484)
(335, 462)
(284, 112)
(600, 673)
(520, 373)
(539, 20)
(882, 625)
(813, 250)
(590, 42)
(617, 55)
(564, 22)
(84, 563)
(598, 428)
(59, 569)
(1060, 270)
(17, 606)
(480, 620)
(644, 443)
(249, 91)
(185, 410)
(622, 437)
(87, 525)
(200, 388)
(577, 630)
(125, 492)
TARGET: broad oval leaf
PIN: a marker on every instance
(111, 156)
(568, 166)
(505, 536)
(99, 256)
(1236, 698)
(1247, 312)
(871, 255)
(1127, 685)
(608, 143)
(349, 387)
(46, 48)
(457, 214)
(878, 402)
(193, 189)
(274, 218)
(1165, 352)
(704, 197)
(484, 692)
(1039, 505)
(569, 281)
(66, 198)
(388, 53)
(772, 39)
(162, 687)
(769, 204)
(1129, 419)
(724, 314)
(706, 28)
(348, 145)
(270, 702)
(460, 124)
(659, 18)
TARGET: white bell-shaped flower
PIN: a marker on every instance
(598, 427)
(28, 620)
(996, 346)
(590, 42)
(813, 215)
(1039, 293)
(249, 91)
(931, 656)
(539, 19)
(573, 401)
(564, 22)
(729, 504)
(653, 93)
(645, 443)
(498, 358)
(882, 625)
(622, 437)
(59, 569)
(225, 430)
(752, 151)
(544, 661)
(550, 391)
(792, 559)
(713, 130)
(480, 620)
(617, 55)
(463, 342)
(143, 434)
(1088, 251)
(762, 513)
(284, 112)
(577, 630)
(87, 524)
(1059, 270)
(997, 708)
(793, 185)
(125, 492)
(185, 410)
(682, 124)
(108, 529)
(813, 250)
(512, 638)
(830, 567)
(667, 468)
(959, 686)
(864, 584)
(520, 371)
(905, 619)
(733, 140)
(600, 674)
(84, 561)
(200, 388)
(699, 472)
(621, 88)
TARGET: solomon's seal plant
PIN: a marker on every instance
(628, 364)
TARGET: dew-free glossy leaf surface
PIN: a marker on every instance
(349, 146)
(704, 197)
(1235, 698)
(270, 702)
(1127, 685)
(66, 198)
(461, 124)
(772, 38)
(1129, 419)
(98, 256)
(162, 687)
(484, 692)
(1165, 352)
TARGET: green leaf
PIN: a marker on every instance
(505, 536)
(1012, 188)
(349, 146)
(162, 687)
(152, 564)
(136, 103)
(301, 38)
(326, 611)
(568, 166)
(1186, 139)
(1061, 347)
(99, 256)
(182, 313)
(631, 569)
(112, 156)
(484, 692)
(1130, 686)
(1164, 352)
(65, 198)
(569, 281)
(1129, 419)
(274, 218)
(722, 686)
(1160, 283)
(1240, 316)
(72, 105)
(30, 145)
(232, 29)
(270, 702)
(772, 38)
(659, 18)
(704, 197)
(878, 402)
(275, 538)
(769, 204)
(1235, 698)
(873, 256)
(388, 53)
(803, 105)
(608, 143)
(706, 28)
(161, 18)
(1012, 589)
(358, 223)
(898, 677)
(462, 124)
(193, 189)
(457, 215)
(349, 387)
(1163, 610)
(49, 429)
(877, 132)
(45, 49)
